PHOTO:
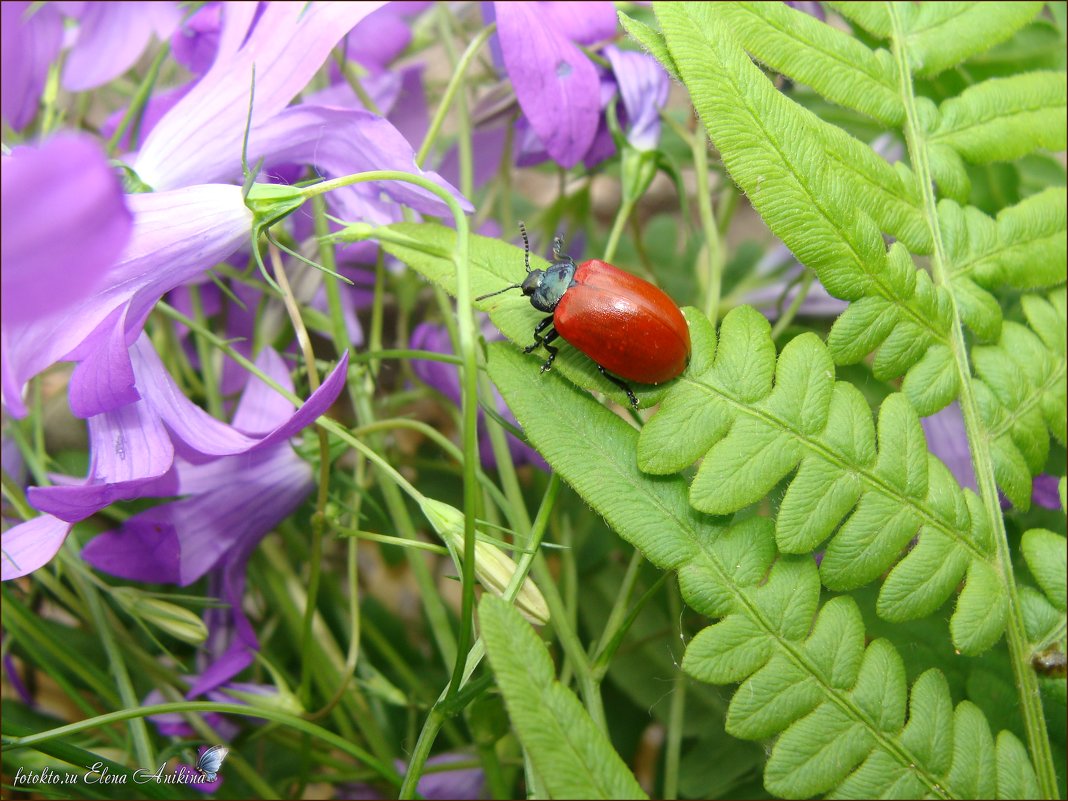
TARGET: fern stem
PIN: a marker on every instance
(978, 437)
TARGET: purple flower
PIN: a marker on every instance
(163, 445)
(445, 378)
(29, 43)
(196, 42)
(643, 87)
(947, 439)
(65, 223)
(557, 86)
(111, 37)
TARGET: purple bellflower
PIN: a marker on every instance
(193, 223)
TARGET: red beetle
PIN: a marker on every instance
(629, 327)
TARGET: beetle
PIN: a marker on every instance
(631, 329)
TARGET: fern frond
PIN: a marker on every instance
(752, 422)
(1021, 393)
(838, 706)
(1003, 119)
(1023, 249)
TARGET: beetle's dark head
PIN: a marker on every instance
(544, 287)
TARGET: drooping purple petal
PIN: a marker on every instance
(177, 543)
(555, 83)
(111, 37)
(65, 224)
(379, 38)
(162, 418)
(200, 139)
(946, 439)
(177, 235)
(29, 43)
(643, 87)
(583, 23)
(30, 545)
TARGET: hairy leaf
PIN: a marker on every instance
(1005, 118)
(573, 757)
(805, 672)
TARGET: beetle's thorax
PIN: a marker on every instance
(546, 287)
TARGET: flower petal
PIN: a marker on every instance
(643, 86)
(200, 139)
(555, 83)
(65, 187)
(30, 545)
(29, 43)
(111, 37)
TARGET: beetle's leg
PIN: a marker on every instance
(538, 338)
(552, 351)
(621, 384)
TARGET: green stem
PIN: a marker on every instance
(212, 397)
(135, 111)
(677, 712)
(713, 247)
(620, 222)
(455, 82)
(1019, 652)
(788, 316)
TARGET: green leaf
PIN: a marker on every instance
(798, 665)
(836, 65)
(872, 17)
(934, 382)
(981, 608)
(1045, 554)
(1021, 393)
(650, 40)
(1003, 119)
(791, 165)
(573, 758)
(942, 35)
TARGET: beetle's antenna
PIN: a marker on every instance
(558, 248)
(499, 291)
(526, 245)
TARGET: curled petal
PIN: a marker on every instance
(30, 40)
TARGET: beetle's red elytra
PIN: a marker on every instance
(629, 327)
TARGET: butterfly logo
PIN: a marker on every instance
(210, 761)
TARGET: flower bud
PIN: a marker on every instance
(175, 620)
(493, 567)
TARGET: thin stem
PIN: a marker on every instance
(212, 396)
(713, 248)
(788, 316)
(315, 558)
(455, 82)
(1016, 636)
(620, 222)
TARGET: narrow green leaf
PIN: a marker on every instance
(1046, 554)
(1003, 119)
(942, 35)
(650, 40)
(573, 757)
(836, 65)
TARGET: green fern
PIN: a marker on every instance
(806, 675)
(753, 421)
